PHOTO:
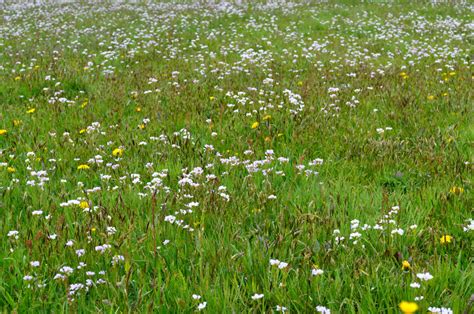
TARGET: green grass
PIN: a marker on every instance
(397, 132)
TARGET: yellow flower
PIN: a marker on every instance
(406, 266)
(84, 104)
(17, 78)
(267, 117)
(82, 131)
(445, 94)
(446, 239)
(3, 132)
(255, 125)
(31, 110)
(404, 75)
(83, 167)
(456, 190)
(84, 204)
(11, 169)
(300, 83)
(408, 307)
(141, 126)
(138, 109)
(117, 152)
(431, 97)
(452, 73)
(212, 98)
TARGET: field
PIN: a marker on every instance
(297, 157)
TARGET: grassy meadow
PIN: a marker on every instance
(254, 157)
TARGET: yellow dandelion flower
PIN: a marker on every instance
(141, 126)
(446, 239)
(17, 78)
(11, 170)
(267, 117)
(255, 125)
(431, 97)
(83, 167)
(406, 266)
(84, 204)
(212, 98)
(3, 132)
(408, 307)
(117, 152)
(82, 131)
(31, 110)
(138, 109)
(456, 190)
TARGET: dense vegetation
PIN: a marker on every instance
(288, 157)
